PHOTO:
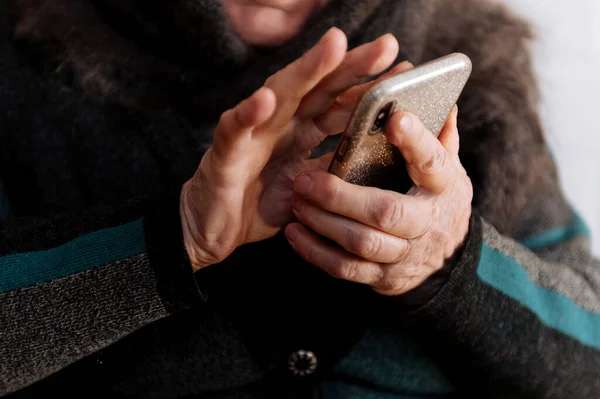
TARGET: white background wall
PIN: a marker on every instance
(567, 56)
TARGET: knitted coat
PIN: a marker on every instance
(106, 108)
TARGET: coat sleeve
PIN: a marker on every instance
(72, 284)
(519, 315)
(518, 319)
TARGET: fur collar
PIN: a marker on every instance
(162, 54)
(181, 55)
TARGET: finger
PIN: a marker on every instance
(236, 124)
(449, 134)
(321, 163)
(294, 81)
(349, 98)
(364, 61)
(426, 158)
(333, 260)
(335, 119)
(357, 238)
(403, 216)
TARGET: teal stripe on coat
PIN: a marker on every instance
(83, 253)
(552, 308)
(558, 235)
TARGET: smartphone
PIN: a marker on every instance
(363, 155)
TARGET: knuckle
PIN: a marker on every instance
(322, 124)
(310, 255)
(364, 244)
(468, 189)
(359, 74)
(346, 100)
(386, 284)
(404, 252)
(438, 236)
(386, 212)
(238, 117)
(391, 284)
(204, 247)
(430, 215)
(225, 118)
(345, 271)
(213, 249)
(329, 189)
(461, 188)
(435, 162)
(270, 81)
(414, 269)
(311, 68)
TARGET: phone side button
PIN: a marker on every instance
(343, 147)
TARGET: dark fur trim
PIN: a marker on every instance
(182, 55)
(502, 142)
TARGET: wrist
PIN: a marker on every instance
(187, 221)
(426, 291)
(433, 284)
(166, 251)
(438, 291)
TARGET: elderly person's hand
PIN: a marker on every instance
(390, 241)
(242, 189)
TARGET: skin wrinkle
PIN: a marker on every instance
(443, 207)
(500, 146)
(422, 165)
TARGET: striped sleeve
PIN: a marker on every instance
(519, 314)
(519, 318)
(73, 284)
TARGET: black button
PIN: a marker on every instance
(302, 363)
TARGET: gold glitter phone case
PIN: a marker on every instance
(363, 155)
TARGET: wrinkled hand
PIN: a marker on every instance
(390, 241)
(242, 189)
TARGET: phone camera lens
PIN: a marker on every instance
(381, 118)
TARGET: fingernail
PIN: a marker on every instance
(303, 184)
(403, 66)
(455, 114)
(406, 123)
(291, 233)
(329, 31)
